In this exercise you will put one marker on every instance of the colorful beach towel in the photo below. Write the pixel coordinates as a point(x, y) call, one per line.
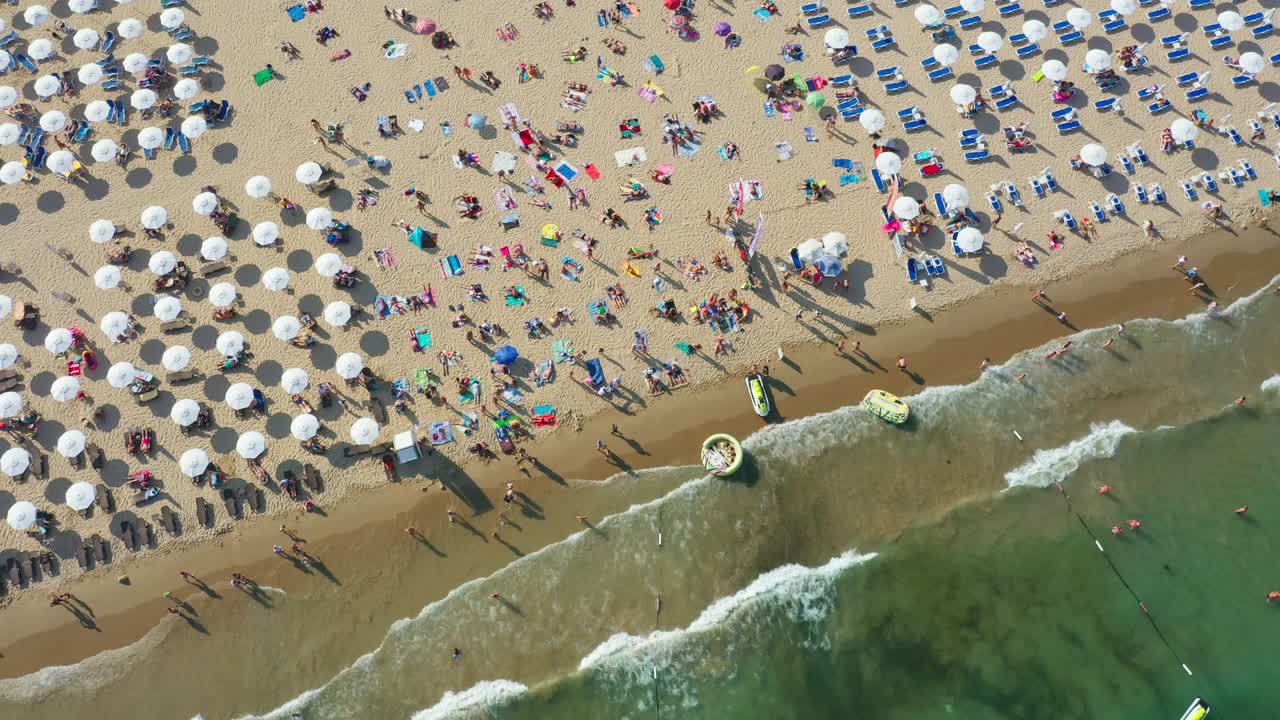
point(440, 432)
point(262, 77)
point(296, 12)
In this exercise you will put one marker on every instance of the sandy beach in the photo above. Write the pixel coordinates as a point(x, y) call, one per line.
point(414, 176)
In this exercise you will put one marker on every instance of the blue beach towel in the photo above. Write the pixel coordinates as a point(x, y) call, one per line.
point(296, 13)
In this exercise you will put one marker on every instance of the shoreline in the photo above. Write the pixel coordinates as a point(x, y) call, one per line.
point(943, 350)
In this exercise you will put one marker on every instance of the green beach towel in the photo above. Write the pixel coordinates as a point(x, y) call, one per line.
point(262, 77)
point(471, 393)
point(685, 347)
point(517, 300)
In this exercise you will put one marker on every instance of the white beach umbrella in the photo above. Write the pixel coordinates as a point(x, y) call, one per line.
point(294, 380)
point(230, 342)
point(172, 18)
point(266, 233)
point(969, 240)
point(286, 327)
point(80, 496)
point(12, 172)
point(64, 389)
point(1097, 60)
point(364, 431)
point(251, 444)
point(81, 6)
point(154, 218)
point(53, 121)
point(257, 187)
point(134, 63)
point(105, 150)
point(193, 462)
point(86, 38)
point(162, 262)
point(906, 208)
point(973, 6)
point(348, 365)
point(6, 307)
point(1055, 70)
point(204, 203)
point(10, 404)
point(276, 279)
point(1124, 7)
point(179, 53)
point(22, 515)
point(89, 74)
point(102, 231)
point(47, 86)
point(185, 89)
point(319, 218)
point(305, 426)
point(836, 38)
point(107, 277)
point(6, 60)
point(990, 41)
point(176, 358)
point(945, 54)
point(872, 120)
point(143, 99)
point(130, 28)
point(337, 313)
point(955, 196)
point(1093, 154)
point(114, 325)
point(1034, 30)
point(928, 15)
point(58, 341)
point(9, 133)
point(888, 163)
point(809, 250)
point(194, 126)
point(8, 355)
point(1183, 130)
point(15, 461)
point(962, 94)
point(308, 172)
point(213, 249)
point(239, 396)
point(184, 412)
point(121, 375)
point(222, 294)
point(150, 138)
point(97, 111)
point(836, 243)
point(1251, 62)
point(1079, 18)
point(329, 264)
point(8, 98)
point(167, 309)
point(60, 162)
point(41, 49)
point(36, 14)
point(1230, 20)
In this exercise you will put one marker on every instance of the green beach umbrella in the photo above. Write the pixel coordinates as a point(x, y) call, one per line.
point(815, 100)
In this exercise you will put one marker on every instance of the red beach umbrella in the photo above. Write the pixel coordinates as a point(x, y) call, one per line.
point(425, 26)
point(671, 4)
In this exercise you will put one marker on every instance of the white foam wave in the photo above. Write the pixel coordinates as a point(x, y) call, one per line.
point(1052, 465)
point(1271, 384)
point(802, 590)
point(474, 700)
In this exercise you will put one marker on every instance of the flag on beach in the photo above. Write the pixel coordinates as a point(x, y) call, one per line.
point(756, 236)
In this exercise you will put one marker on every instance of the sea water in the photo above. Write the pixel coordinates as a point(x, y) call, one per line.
point(775, 595)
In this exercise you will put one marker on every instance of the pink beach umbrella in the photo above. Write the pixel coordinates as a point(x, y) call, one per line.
point(425, 26)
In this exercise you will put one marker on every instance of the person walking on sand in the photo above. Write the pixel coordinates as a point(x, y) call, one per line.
point(1239, 402)
point(603, 449)
point(840, 347)
point(902, 363)
point(582, 519)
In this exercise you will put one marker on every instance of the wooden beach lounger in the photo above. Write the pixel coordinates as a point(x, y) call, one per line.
point(214, 268)
point(101, 549)
point(175, 325)
point(229, 499)
point(379, 411)
point(202, 512)
point(169, 520)
point(104, 500)
point(311, 478)
point(126, 534)
point(94, 453)
point(141, 534)
point(179, 376)
point(82, 557)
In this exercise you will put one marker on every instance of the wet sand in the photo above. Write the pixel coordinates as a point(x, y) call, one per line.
point(942, 350)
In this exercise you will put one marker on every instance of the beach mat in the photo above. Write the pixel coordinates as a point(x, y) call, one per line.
point(262, 77)
point(630, 156)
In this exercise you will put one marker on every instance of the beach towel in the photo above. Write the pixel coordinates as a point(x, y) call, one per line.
point(684, 347)
point(595, 371)
point(470, 394)
point(396, 50)
point(512, 395)
point(562, 350)
point(566, 171)
point(592, 171)
point(262, 77)
point(450, 266)
point(689, 148)
point(440, 432)
point(296, 12)
point(630, 156)
point(519, 300)
point(423, 336)
point(422, 379)
point(544, 373)
point(785, 151)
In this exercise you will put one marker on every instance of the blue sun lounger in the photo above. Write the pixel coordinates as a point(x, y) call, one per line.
point(108, 42)
point(82, 133)
point(1015, 195)
point(1157, 193)
point(1210, 185)
point(1139, 155)
point(1010, 9)
point(913, 269)
point(1234, 136)
point(1201, 4)
point(1105, 104)
point(1233, 176)
point(879, 181)
point(1184, 79)
point(184, 143)
point(1179, 54)
point(883, 44)
point(1274, 59)
point(841, 81)
point(1067, 219)
point(1062, 27)
point(1127, 164)
point(811, 8)
point(1071, 37)
point(859, 10)
point(929, 63)
point(913, 125)
point(1172, 41)
point(1018, 40)
point(954, 11)
point(994, 202)
point(1050, 182)
point(1159, 13)
point(170, 137)
point(896, 87)
point(1189, 191)
point(1240, 80)
point(939, 203)
point(885, 74)
point(1037, 186)
point(13, 35)
point(1247, 168)
point(940, 74)
point(970, 22)
point(1140, 192)
point(985, 62)
point(1115, 25)
point(819, 21)
point(1115, 204)
point(1096, 210)
point(852, 113)
point(26, 63)
point(1220, 42)
point(934, 267)
point(1028, 50)
point(1068, 127)
point(112, 84)
point(908, 112)
point(977, 155)
point(1199, 93)
point(1159, 106)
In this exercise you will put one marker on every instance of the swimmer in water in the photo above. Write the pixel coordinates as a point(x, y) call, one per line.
point(1104, 490)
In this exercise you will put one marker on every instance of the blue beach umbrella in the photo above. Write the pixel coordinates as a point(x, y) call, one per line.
point(506, 355)
point(475, 121)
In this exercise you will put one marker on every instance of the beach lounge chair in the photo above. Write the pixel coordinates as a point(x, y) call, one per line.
point(1127, 164)
point(1159, 14)
point(977, 155)
point(954, 11)
point(840, 81)
point(883, 44)
point(1246, 167)
point(1115, 25)
point(108, 42)
point(811, 8)
point(1254, 18)
point(170, 137)
point(1010, 9)
point(896, 87)
point(1115, 204)
point(933, 266)
point(224, 111)
point(10, 37)
point(1027, 51)
point(879, 181)
point(1179, 54)
point(914, 268)
point(1157, 193)
point(1188, 190)
point(1066, 218)
point(1240, 80)
point(26, 63)
point(1197, 94)
point(1221, 42)
point(817, 22)
point(1140, 192)
point(1050, 182)
point(1184, 79)
point(1105, 104)
point(1233, 176)
point(1159, 106)
point(939, 203)
point(884, 74)
point(1063, 114)
point(1067, 127)
point(1037, 186)
point(1201, 4)
point(1007, 103)
point(940, 74)
point(1071, 37)
point(184, 143)
point(856, 11)
point(929, 63)
point(1233, 135)
point(985, 62)
point(994, 201)
point(970, 22)
point(914, 125)
point(1210, 185)
point(1015, 195)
